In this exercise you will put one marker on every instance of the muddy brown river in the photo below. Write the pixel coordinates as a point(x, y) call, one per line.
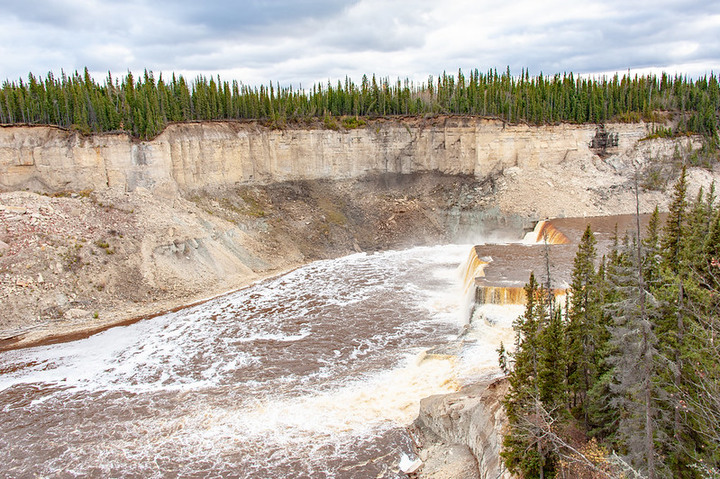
point(313, 374)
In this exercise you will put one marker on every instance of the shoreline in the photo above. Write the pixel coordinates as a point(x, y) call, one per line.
point(64, 331)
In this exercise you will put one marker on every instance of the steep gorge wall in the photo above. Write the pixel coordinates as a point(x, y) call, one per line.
point(196, 155)
point(208, 207)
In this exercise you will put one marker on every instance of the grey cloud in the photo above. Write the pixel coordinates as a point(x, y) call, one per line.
point(205, 30)
point(73, 17)
point(628, 38)
point(254, 15)
point(382, 34)
point(56, 13)
point(306, 41)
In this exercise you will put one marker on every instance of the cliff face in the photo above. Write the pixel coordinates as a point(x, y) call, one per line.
point(207, 207)
point(462, 431)
point(198, 155)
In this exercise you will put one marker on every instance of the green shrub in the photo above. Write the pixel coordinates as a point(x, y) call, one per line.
point(352, 122)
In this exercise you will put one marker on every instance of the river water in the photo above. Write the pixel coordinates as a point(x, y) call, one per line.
point(312, 374)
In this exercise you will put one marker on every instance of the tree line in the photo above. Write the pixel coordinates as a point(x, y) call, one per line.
point(144, 105)
point(624, 380)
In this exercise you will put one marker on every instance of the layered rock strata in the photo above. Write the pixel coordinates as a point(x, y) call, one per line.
point(213, 154)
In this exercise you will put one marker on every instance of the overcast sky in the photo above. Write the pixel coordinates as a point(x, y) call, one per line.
point(305, 41)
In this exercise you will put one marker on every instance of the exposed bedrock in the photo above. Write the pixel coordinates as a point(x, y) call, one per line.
point(197, 155)
point(460, 434)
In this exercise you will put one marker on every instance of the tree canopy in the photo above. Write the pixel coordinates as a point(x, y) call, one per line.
point(143, 106)
point(633, 367)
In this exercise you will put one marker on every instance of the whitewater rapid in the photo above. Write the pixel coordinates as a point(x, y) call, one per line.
point(312, 374)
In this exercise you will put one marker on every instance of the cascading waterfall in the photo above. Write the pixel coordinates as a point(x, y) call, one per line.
point(545, 232)
point(500, 295)
point(499, 290)
point(472, 268)
point(313, 374)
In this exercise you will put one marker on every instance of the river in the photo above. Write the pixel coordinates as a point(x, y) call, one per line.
point(312, 374)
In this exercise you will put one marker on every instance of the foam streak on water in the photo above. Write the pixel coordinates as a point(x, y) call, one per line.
point(312, 374)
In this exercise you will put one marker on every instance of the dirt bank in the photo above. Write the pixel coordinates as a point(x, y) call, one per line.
point(76, 263)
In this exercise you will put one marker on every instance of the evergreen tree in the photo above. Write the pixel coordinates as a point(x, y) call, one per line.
point(682, 232)
point(651, 243)
point(585, 330)
point(636, 361)
point(674, 230)
point(144, 106)
point(553, 363)
point(525, 450)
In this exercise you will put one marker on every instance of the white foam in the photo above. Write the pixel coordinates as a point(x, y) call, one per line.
point(194, 368)
point(359, 407)
point(283, 338)
point(491, 324)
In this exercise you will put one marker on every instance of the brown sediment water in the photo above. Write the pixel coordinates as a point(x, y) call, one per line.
point(472, 268)
point(546, 232)
point(312, 374)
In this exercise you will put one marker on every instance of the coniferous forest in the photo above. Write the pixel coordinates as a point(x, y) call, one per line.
point(624, 379)
point(143, 106)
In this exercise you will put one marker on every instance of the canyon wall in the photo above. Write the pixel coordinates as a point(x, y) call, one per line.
point(214, 154)
point(141, 226)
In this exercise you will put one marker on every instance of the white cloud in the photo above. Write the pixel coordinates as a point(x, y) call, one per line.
point(304, 41)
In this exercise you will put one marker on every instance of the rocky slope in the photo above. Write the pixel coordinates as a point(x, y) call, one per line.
point(81, 261)
point(459, 434)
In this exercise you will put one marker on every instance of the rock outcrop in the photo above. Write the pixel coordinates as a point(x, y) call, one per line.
point(219, 154)
point(459, 434)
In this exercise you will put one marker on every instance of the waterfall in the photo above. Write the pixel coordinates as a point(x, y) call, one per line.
point(505, 295)
point(545, 230)
point(473, 267)
point(500, 295)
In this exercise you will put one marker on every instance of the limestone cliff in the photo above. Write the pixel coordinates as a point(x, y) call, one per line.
point(213, 154)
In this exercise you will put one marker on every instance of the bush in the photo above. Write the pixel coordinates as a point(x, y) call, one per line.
point(352, 122)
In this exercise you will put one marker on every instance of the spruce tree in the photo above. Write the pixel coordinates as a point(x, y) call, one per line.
point(584, 329)
point(525, 449)
point(674, 230)
point(636, 361)
point(553, 363)
point(681, 255)
point(651, 243)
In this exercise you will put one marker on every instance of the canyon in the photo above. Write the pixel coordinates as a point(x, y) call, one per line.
point(104, 229)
